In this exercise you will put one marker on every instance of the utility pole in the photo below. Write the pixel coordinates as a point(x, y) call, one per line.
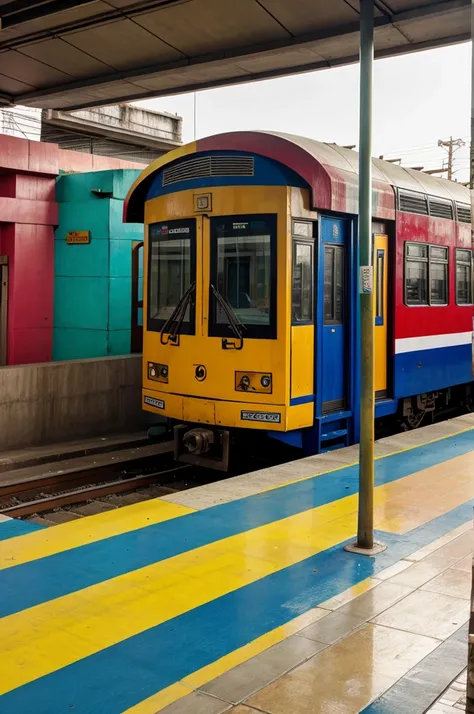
point(452, 145)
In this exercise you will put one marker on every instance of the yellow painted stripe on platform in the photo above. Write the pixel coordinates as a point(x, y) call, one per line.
point(57, 539)
point(157, 702)
point(423, 496)
point(52, 635)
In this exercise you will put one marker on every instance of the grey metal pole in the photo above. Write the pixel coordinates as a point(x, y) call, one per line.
point(470, 656)
point(365, 529)
point(365, 532)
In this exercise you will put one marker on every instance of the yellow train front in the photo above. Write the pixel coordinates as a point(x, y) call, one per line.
point(250, 293)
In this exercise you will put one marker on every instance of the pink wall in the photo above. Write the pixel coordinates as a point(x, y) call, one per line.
point(30, 249)
point(28, 216)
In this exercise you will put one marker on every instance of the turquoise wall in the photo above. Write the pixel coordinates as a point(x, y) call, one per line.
point(92, 288)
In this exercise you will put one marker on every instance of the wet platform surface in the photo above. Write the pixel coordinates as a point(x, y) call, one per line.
point(238, 596)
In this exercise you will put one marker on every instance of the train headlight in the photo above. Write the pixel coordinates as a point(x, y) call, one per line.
point(158, 372)
point(253, 382)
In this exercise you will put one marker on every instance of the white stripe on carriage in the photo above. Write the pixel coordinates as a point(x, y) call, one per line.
point(432, 342)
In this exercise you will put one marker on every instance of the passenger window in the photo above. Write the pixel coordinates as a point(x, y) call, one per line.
point(426, 274)
point(438, 275)
point(302, 287)
point(416, 274)
point(333, 284)
point(463, 277)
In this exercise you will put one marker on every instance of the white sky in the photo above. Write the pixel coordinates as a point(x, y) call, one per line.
point(418, 99)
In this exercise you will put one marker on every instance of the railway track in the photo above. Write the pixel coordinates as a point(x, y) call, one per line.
point(26, 502)
point(148, 471)
point(23, 494)
point(77, 486)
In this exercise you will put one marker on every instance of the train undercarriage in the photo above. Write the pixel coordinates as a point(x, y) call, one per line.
point(213, 448)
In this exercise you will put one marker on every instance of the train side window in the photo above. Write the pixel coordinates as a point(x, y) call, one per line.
point(416, 274)
point(302, 284)
point(333, 284)
point(438, 271)
point(379, 295)
point(463, 276)
point(303, 229)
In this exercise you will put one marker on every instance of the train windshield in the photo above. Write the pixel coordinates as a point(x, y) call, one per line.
point(243, 277)
point(171, 270)
point(243, 271)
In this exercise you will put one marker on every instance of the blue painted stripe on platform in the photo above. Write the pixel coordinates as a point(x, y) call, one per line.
point(13, 528)
point(72, 570)
point(142, 665)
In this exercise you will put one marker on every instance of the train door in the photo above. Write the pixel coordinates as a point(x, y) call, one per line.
point(136, 338)
point(381, 317)
point(3, 308)
point(335, 293)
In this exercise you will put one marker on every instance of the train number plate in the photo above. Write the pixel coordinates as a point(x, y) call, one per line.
point(158, 403)
point(273, 417)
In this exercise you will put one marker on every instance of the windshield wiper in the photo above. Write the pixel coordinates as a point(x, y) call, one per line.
point(234, 323)
point(170, 330)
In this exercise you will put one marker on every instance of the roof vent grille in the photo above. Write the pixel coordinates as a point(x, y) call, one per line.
point(207, 167)
point(441, 209)
point(464, 213)
point(411, 202)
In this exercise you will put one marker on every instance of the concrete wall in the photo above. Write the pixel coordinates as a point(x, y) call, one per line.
point(76, 162)
point(60, 401)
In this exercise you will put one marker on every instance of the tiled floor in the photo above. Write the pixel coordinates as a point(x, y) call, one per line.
point(404, 630)
point(453, 700)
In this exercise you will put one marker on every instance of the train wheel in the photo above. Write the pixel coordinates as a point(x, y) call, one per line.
point(412, 416)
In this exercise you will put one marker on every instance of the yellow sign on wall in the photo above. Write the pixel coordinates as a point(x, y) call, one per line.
point(78, 237)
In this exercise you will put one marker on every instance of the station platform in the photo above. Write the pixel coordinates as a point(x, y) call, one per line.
point(13, 459)
point(237, 596)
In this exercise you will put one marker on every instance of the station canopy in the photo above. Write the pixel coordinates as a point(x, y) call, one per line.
point(64, 54)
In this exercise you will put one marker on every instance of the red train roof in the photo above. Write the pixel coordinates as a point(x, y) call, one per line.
point(331, 171)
